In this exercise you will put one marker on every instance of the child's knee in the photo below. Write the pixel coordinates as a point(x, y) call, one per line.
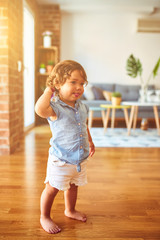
point(51, 190)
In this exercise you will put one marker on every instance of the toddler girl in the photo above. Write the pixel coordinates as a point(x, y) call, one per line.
point(71, 142)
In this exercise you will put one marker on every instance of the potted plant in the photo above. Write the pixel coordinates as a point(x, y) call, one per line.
point(49, 66)
point(116, 98)
point(42, 68)
point(134, 69)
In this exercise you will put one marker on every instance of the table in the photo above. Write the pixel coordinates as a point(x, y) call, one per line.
point(134, 113)
point(114, 107)
point(91, 111)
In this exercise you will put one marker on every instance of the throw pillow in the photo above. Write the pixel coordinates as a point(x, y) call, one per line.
point(88, 93)
point(98, 93)
point(107, 95)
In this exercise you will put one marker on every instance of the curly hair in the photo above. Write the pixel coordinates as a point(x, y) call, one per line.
point(62, 71)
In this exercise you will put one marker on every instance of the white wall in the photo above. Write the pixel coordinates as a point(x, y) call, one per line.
point(103, 42)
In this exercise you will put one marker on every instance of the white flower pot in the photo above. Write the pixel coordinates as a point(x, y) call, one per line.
point(47, 41)
point(42, 70)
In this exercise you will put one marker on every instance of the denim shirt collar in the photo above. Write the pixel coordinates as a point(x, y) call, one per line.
point(57, 99)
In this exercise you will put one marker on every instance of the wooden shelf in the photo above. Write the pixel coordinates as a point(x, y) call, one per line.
point(43, 74)
point(48, 48)
point(50, 53)
point(45, 54)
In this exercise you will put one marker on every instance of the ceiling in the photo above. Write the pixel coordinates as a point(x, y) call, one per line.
point(139, 6)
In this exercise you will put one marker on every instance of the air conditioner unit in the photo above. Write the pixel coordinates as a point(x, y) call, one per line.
point(151, 25)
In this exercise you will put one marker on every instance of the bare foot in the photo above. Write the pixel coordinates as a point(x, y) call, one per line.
point(48, 225)
point(76, 215)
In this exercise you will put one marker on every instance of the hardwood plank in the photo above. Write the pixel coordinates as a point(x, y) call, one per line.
point(121, 198)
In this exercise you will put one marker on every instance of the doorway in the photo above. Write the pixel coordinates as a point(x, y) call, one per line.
point(29, 67)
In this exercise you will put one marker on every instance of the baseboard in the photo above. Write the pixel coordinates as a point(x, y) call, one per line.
point(120, 122)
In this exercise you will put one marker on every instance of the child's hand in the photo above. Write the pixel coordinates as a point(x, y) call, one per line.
point(49, 89)
point(91, 149)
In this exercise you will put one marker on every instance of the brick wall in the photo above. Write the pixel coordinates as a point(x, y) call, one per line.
point(15, 83)
point(49, 19)
point(11, 50)
point(4, 79)
point(11, 81)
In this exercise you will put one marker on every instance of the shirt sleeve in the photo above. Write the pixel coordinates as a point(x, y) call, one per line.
point(87, 108)
point(54, 106)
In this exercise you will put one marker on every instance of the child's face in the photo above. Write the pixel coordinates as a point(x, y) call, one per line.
point(72, 89)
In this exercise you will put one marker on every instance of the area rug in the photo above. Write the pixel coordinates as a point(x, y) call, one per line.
point(118, 137)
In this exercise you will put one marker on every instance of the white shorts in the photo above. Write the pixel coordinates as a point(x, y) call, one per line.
point(61, 177)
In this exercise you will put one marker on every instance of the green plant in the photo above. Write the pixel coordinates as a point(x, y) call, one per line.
point(116, 94)
point(134, 69)
point(42, 65)
point(50, 62)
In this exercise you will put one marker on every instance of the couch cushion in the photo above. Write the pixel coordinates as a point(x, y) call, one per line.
point(88, 92)
point(98, 93)
point(95, 90)
point(107, 95)
point(105, 86)
point(129, 92)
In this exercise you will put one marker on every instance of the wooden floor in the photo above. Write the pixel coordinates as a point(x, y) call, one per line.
point(121, 200)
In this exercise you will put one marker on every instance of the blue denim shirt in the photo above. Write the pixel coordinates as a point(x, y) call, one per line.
point(69, 140)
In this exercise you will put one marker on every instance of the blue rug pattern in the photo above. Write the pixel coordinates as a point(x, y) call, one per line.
point(118, 137)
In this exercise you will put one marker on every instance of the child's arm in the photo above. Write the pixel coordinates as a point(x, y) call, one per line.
point(42, 107)
point(91, 144)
